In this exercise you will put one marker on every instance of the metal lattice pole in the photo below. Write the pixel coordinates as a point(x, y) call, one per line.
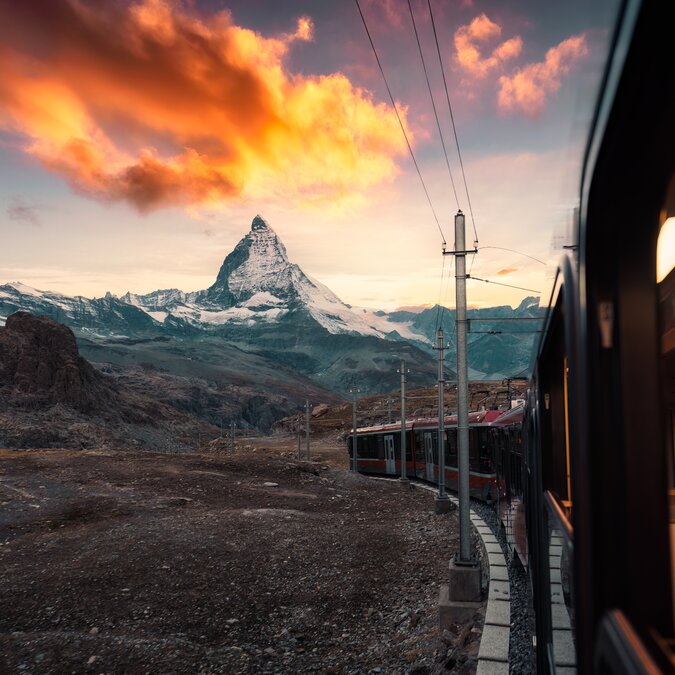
point(307, 430)
point(355, 453)
point(404, 449)
point(299, 434)
point(441, 419)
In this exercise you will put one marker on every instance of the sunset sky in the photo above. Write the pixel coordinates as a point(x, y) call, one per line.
point(139, 139)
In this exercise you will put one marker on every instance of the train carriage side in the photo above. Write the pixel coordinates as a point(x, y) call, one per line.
point(481, 468)
point(506, 440)
point(378, 449)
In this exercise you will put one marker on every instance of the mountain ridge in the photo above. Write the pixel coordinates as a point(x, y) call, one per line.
point(263, 303)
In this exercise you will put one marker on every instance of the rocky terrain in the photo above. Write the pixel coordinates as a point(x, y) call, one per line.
point(51, 396)
point(249, 562)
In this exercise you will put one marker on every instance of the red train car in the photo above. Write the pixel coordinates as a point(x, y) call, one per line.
point(379, 451)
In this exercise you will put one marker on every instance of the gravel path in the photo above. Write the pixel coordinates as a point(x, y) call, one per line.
point(521, 651)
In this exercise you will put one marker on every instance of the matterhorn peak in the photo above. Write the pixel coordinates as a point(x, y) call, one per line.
point(259, 224)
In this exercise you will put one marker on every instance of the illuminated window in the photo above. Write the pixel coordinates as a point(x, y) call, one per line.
point(665, 250)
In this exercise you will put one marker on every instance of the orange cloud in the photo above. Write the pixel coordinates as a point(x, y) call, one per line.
point(528, 89)
point(156, 105)
point(468, 54)
point(506, 271)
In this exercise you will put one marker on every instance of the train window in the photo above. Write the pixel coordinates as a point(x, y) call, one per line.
point(665, 276)
point(452, 443)
point(665, 250)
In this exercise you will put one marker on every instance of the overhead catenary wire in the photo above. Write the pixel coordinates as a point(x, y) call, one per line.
point(400, 121)
point(433, 103)
point(498, 283)
point(452, 119)
point(513, 250)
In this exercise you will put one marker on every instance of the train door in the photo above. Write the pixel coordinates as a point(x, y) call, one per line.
point(429, 454)
point(389, 457)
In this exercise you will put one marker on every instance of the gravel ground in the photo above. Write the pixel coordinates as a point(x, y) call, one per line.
point(522, 658)
point(252, 562)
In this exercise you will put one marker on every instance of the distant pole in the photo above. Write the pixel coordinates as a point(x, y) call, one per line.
point(462, 391)
point(441, 419)
point(404, 450)
point(355, 453)
point(232, 425)
point(299, 429)
point(388, 409)
point(307, 431)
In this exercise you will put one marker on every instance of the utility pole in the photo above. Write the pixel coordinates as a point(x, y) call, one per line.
point(307, 431)
point(388, 409)
point(299, 429)
point(460, 254)
point(404, 450)
point(355, 454)
point(442, 502)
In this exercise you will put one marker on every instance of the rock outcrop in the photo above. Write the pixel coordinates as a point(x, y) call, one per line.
point(40, 363)
point(50, 396)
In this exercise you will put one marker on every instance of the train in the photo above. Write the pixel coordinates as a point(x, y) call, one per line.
point(583, 474)
point(379, 451)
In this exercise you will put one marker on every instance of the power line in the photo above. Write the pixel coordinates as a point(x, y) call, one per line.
point(433, 104)
point(452, 118)
point(513, 250)
point(497, 283)
point(398, 117)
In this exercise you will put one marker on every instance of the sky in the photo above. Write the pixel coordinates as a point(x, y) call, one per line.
point(138, 139)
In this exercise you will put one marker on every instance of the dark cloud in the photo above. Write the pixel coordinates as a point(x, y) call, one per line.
point(21, 211)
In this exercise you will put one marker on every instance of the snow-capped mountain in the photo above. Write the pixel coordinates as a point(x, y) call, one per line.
point(256, 283)
point(262, 302)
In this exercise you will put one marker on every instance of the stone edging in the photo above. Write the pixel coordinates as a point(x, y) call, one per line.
point(493, 655)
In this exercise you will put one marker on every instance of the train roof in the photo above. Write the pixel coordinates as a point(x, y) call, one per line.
point(396, 426)
point(475, 417)
point(512, 416)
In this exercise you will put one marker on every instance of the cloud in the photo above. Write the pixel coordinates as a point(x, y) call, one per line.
point(393, 11)
point(157, 105)
point(468, 54)
point(528, 88)
point(21, 211)
point(507, 270)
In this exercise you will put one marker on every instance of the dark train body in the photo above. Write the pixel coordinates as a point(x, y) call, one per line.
point(379, 451)
point(583, 475)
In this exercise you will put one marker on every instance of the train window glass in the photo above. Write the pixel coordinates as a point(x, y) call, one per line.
point(665, 276)
point(561, 580)
point(452, 444)
point(665, 250)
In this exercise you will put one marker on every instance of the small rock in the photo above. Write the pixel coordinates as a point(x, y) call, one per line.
point(232, 621)
point(94, 630)
point(270, 484)
point(92, 660)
